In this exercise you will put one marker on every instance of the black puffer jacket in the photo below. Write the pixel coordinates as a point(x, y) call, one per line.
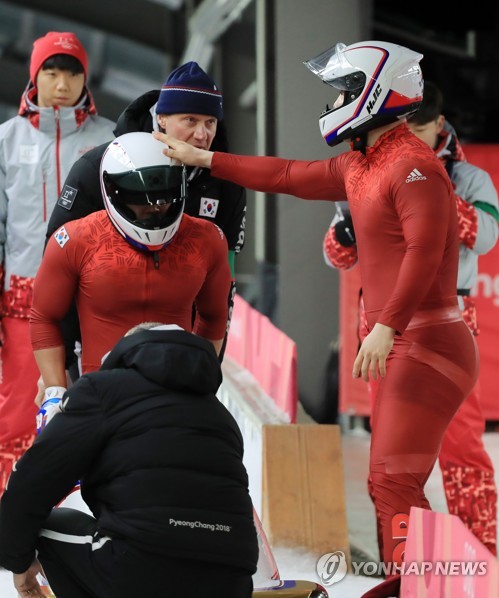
point(159, 458)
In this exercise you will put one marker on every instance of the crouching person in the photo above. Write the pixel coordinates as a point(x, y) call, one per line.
point(160, 464)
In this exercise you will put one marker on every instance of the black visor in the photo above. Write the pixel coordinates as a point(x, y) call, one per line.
point(153, 184)
point(351, 82)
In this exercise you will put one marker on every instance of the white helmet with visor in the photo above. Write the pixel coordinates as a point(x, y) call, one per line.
point(379, 83)
point(135, 172)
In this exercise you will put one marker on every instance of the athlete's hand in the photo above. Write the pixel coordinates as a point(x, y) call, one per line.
point(50, 407)
point(345, 234)
point(26, 583)
point(40, 395)
point(371, 358)
point(184, 152)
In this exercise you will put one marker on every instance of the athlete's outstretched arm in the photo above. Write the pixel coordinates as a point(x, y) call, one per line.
point(184, 152)
point(317, 179)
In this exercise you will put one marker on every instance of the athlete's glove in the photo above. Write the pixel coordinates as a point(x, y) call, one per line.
point(51, 406)
point(343, 229)
point(339, 248)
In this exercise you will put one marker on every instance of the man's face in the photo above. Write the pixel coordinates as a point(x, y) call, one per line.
point(196, 129)
point(59, 88)
point(338, 103)
point(428, 132)
point(149, 212)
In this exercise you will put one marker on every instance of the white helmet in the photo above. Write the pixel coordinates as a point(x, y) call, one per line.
point(134, 171)
point(382, 82)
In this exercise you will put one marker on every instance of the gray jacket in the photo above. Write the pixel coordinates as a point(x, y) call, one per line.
point(475, 186)
point(37, 149)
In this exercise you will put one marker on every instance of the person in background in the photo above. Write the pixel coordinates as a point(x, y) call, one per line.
point(56, 124)
point(467, 470)
point(406, 234)
point(160, 461)
point(190, 106)
point(141, 258)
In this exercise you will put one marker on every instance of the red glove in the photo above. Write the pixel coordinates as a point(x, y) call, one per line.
point(467, 222)
point(338, 255)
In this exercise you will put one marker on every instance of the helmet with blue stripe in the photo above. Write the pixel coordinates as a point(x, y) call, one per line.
point(378, 83)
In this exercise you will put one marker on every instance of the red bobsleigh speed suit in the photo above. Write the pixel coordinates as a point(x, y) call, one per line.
point(405, 220)
point(467, 470)
point(117, 286)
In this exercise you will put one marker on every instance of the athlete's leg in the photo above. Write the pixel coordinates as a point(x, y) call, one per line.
point(426, 382)
point(373, 387)
point(17, 394)
point(10, 452)
point(468, 473)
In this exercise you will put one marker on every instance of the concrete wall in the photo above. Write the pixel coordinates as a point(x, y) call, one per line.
point(308, 289)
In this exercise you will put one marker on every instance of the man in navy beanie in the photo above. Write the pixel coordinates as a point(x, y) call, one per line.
point(189, 89)
point(188, 106)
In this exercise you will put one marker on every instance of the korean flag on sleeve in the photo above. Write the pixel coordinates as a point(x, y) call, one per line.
point(61, 236)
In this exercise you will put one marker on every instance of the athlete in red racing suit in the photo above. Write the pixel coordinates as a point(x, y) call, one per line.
point(116, 286)
point(467, 470)
point(405, 217)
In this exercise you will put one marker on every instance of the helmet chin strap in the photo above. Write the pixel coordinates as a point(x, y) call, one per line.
point(359, 143)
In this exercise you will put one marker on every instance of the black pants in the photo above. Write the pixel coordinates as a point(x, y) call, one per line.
point(80, 563)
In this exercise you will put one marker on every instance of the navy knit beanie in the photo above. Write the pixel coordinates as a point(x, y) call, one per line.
point(189, 90)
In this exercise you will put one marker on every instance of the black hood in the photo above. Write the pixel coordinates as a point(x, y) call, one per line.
point(137, 115)
point(174, 359)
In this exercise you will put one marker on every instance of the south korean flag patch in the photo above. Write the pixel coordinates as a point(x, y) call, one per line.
point(208, 207)
point(61, 236)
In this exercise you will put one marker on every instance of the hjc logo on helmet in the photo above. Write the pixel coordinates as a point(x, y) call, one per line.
point(376, 94)
point(394, 78)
